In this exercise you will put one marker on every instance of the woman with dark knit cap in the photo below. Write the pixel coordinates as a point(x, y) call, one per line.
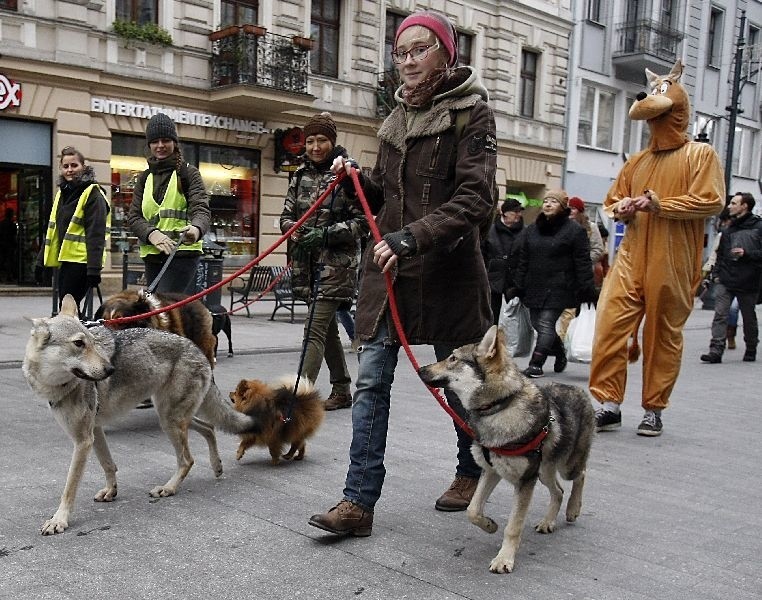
point(431, 191)
point(324, 255)
point(169, 199)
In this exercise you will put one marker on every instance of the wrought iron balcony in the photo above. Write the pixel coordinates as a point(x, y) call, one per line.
point(388, 82)
point(644, 44)
point(249, 55)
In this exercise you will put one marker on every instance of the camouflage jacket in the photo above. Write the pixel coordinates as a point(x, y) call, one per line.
point(345, 225)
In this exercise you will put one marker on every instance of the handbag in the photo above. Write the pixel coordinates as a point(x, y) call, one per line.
point(514, 321)
point(579, 335)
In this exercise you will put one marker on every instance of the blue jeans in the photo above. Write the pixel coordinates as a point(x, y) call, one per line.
point(370, 420)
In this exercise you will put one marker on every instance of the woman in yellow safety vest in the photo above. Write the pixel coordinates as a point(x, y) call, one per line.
point(169, 199)
point(75, 242)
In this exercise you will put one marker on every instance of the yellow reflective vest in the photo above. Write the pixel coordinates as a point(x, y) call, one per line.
point(169, 217)
point(74, 246)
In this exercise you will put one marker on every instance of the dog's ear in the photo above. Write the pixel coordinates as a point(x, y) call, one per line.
point(490, 344)
point(40, 331)
point(69, 306)
point(652, 78)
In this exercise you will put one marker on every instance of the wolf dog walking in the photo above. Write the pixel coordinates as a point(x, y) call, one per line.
point(524, 433)
point(90, 377)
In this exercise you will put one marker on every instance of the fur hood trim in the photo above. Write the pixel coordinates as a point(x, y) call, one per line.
point(85, 178)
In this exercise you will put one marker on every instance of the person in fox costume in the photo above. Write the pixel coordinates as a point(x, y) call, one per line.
point(663, 194)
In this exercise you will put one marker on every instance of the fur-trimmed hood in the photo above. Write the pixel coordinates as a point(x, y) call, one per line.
point(85, 178)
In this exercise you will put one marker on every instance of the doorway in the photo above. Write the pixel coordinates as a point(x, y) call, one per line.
point(24, 203)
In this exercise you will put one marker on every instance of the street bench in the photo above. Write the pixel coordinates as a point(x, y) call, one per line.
point(256, 282)
point(284, 293)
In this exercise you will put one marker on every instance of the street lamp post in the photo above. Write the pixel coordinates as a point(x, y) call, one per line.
point(733, 108)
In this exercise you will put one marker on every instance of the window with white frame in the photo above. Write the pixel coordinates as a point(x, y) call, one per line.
point(138, 11)
point(528, 82)
point(324, 56)
point(594, 11)
point(636, 134)
point(743, 152)
point(752, 54)
point(714, 39)
point(596, 118)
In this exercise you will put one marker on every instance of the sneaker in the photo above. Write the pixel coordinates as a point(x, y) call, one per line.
point(338, 400)
point(458, 495)
point(533, 371)
point(148, 403)
point(559, 365)
point(607, 420)
point(711, 358)
point(346, 518)
point(650, 425)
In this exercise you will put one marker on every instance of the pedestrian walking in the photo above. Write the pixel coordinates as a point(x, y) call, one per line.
point(501, 255)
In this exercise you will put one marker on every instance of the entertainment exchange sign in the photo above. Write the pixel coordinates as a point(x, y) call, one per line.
point(181, 117)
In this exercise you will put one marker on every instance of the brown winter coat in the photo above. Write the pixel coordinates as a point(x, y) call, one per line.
point(442, 192)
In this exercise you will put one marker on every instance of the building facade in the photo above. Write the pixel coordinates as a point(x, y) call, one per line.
point(239, 77)
point(614, 42)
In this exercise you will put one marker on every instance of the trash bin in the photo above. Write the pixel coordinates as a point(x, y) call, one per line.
point(209, 272)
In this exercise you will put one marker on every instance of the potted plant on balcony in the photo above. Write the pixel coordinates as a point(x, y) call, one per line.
point(257, 30)
point(303, 42)
point(229, 31)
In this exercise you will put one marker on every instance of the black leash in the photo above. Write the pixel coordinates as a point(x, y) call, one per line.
point(155, 283)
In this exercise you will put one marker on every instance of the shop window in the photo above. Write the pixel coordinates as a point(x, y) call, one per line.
point(138, 11)
point(231, 177)
point(324, 56)
point(9, 4)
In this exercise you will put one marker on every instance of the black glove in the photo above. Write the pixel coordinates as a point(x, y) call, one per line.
point(519, 293)
point(347, 185)
point(401, 242)
point(39, 272)
point(588, 295)
point(93, 280)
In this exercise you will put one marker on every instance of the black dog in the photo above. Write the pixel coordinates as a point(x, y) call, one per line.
point(221, 322)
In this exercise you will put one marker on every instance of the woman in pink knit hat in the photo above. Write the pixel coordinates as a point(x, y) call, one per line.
point(431, 190)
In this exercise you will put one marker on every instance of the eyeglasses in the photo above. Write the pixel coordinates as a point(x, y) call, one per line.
point(417, 53)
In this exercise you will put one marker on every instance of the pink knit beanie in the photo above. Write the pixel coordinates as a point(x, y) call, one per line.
point(437, 23)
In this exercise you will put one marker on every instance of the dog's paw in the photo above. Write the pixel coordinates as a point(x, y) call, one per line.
point(53, 525)
point(545, 526)
point(161, 491)
point(501, 564)
point(107, 494)
point(484, 523)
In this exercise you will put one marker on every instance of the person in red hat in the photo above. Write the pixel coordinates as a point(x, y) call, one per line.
point(431, 190)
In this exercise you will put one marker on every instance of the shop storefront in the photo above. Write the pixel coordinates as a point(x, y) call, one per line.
point(25, 196)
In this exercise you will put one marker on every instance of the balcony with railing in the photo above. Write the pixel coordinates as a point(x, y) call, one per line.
point(644, 44)
point(251, 56)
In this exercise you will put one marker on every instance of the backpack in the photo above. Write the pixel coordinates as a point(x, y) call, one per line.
point(462, 119)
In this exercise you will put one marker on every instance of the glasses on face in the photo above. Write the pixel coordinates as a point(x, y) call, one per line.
point(418, 53)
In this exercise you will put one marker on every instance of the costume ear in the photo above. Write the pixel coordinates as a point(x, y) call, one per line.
point(676, 72)
point(652, 78)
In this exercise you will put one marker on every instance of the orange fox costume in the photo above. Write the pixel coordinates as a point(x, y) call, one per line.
point(664, 194)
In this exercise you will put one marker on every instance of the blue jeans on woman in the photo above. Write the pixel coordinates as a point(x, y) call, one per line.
point(370, 420)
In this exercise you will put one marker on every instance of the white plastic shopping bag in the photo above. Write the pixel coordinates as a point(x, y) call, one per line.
point(514, 321)
point(579, 335)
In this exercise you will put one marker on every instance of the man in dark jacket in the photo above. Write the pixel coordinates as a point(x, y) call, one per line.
point(736, 274)
point(500, 256)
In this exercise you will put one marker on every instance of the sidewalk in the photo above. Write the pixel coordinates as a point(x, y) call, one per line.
point(671, 517)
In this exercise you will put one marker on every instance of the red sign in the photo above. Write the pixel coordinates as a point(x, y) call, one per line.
point(293, 141)
point(10, 93)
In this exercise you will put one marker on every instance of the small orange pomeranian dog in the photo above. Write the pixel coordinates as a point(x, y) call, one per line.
point(270, 404)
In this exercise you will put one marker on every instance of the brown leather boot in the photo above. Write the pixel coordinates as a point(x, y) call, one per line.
point(458, 495)
point(345, 518)
point(338, 400)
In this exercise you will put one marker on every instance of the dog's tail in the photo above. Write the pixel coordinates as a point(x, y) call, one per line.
point(222, 414)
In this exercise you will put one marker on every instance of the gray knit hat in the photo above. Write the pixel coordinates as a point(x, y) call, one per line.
point(161, 126)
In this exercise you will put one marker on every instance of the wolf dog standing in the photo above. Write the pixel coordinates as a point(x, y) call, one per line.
point(539, 432)
point(90, 377)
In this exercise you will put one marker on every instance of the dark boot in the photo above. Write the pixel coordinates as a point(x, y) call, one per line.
point(716, 348)
point(559, 351)
point(731, 337)
point(535, 365)
point(750, 355)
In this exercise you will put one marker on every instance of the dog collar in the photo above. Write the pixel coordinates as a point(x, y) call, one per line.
point(534, 445)
point(494, 407)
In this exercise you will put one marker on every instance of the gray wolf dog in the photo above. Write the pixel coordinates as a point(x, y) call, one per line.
point(507, 411)
point(90, 377)
point(192, 320)
point(268, 404)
